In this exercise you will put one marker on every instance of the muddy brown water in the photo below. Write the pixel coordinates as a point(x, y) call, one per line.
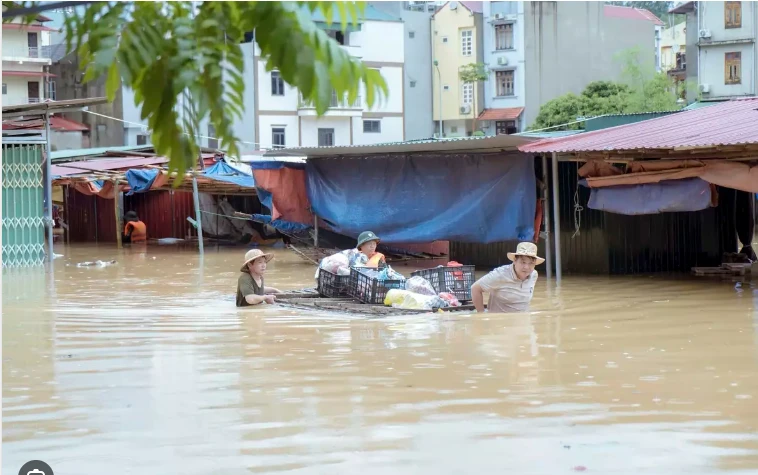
point(148, 367)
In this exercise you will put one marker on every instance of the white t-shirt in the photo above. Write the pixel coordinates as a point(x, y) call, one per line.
point(507, 292)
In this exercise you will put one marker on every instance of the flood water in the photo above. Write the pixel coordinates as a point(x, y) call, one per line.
point(148, 367)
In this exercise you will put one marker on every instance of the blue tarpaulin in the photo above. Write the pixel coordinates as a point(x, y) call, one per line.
point(140, 180)
point(692, 194)
point(280, 224)
point(410, 199)
point(221, 171)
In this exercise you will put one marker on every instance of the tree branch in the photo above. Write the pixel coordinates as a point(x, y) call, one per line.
point(16, 12)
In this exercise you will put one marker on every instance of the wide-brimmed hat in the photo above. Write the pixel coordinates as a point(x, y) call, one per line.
point(252, 255)
point(131, 215)
point(528, 249)
point(365, 237)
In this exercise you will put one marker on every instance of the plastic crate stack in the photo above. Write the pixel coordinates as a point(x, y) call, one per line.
point(333, 285)
point(369, 289)
point(457, 280)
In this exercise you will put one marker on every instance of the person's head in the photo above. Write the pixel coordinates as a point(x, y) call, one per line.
point(256, 262)
point(367, 242)
point(131, 216)
point(525, 259)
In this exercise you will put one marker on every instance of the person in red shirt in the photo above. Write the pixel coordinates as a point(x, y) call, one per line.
point(134, 230)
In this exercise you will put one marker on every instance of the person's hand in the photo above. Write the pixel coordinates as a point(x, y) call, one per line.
point(269, 299)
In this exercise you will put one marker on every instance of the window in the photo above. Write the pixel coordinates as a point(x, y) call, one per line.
point(325, 137)
point(467, 42)
point(277, 137)
point(277, 84)
point(338, 36)
point(468, 93)
point(411, 34)
point(51, 90)
point(732, 68)
point(733, 14)
point(212, 140)
point(504, 36)
point(444, 39)
point(372, 126)
point(445, 88)
point(141, 139)
point(505, 127)
point(681, 61)
point(413, 83)
point(5, 88)
point(504, 83)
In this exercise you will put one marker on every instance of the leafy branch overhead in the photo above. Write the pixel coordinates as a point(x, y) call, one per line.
point(164, 50)
point(473, 72)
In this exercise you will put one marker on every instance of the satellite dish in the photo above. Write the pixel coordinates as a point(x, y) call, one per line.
point(675, 49)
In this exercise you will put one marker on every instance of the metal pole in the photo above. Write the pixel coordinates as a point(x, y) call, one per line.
point(117, 213)
point(49, 188)
point(439, 83)
point(198, 218)
point(546, 218)
point(315, 233)
point(557, 218)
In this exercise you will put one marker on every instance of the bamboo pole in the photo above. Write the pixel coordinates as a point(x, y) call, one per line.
point(198, 217)
point(557, 218)
point(546, 218)
point(117, 213)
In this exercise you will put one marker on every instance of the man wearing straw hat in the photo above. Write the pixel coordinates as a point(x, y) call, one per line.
point(250, 287)
point(510, 287)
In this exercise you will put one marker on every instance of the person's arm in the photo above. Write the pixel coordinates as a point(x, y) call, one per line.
point(477, 296)
point(254, 299)
point(271, 290)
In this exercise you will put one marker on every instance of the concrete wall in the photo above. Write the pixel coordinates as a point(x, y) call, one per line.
point(691, 38)
point(290, 124)
point(570, 44)
point(103, 132)
point(17, 89)
point(713, 50)
point(68, 140)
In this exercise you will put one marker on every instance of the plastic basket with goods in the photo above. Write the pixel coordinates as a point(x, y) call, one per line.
point(456, 279)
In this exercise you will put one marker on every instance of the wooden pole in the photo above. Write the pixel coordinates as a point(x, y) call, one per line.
point(557, 218)
point(315, 231)
point(48, 173)
point(198, 218)
point(546, 218)
point(117, 213)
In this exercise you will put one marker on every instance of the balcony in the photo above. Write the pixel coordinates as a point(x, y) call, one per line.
point(32, 100)
point(337, 107)
point(27, 53)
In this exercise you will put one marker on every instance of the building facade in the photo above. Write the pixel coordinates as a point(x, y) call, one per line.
point(673, 48)
point(285, 120)
point(26, 59)
point(456, 36)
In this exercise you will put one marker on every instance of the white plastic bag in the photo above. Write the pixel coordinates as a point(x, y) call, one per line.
point(419, 285)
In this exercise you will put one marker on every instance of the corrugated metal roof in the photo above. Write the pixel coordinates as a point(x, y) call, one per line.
point(460, 144)
point(52, 106)
point(505, 113)
point(60, 155)
point(630, 13)
point(56, 123)
point(550, 134)
point(614, 120)
point(105, 164)
point(729, 123)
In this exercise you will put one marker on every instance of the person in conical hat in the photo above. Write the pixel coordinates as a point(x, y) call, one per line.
point(250, 287)
point(510, 287)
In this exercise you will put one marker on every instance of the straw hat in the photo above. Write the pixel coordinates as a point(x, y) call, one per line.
point(528, 249)
point(367, 236)
point(252, 255)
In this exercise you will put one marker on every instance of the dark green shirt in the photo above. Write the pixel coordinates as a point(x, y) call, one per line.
point(246, 285)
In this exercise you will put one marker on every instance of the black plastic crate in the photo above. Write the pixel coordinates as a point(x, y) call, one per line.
point(369, 289)
point(333, 285)
point(456, 280)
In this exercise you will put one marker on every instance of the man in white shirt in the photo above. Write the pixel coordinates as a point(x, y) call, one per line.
point(510, 287)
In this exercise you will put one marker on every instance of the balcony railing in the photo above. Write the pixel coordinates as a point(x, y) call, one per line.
point(334, 103)
point(32, 100)
point(40, 52)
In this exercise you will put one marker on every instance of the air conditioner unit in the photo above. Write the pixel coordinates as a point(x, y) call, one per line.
point(705, 88)
point(502, 61)
point(498, 16)
point(705, 33)
point(466, 109)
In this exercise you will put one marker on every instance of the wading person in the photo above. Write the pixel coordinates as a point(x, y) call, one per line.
point(250, 287)
point(367, 243)
point(511, 287)
point(134, 230)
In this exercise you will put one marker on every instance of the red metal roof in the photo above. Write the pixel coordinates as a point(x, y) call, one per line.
point(615, 11)
point(28, 74)
point(507, 113)
point(105, 164)
point(56, 123)
point(732, 122)
point(21, 26)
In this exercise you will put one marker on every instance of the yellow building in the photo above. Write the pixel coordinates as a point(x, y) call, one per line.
point(456, 42)
point(673, 43)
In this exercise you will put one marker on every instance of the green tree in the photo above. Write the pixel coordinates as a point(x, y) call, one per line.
point(649, 91)
point(474, 73)
point(162, 50)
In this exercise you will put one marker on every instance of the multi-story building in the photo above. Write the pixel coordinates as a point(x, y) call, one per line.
point(673, 45)
point(721, 49)
point(284, 119)
point(456, 43)
point(25, 61)
point(537, 51)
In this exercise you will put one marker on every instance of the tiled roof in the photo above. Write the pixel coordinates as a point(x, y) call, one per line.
point(615, 11)
point(728, 123)
point(507, 113)
point(476, 7)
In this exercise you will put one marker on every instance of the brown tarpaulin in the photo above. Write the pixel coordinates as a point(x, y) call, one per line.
point(289, 196)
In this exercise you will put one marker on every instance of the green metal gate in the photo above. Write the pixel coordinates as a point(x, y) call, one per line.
point(23, 208)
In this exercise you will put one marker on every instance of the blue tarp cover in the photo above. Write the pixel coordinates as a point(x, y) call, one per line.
point(280, 224)
point(221, 171)
point(692, 194)
point(140, 180)
point(276, 164)
point(422, 199)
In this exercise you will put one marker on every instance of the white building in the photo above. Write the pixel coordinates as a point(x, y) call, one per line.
point(283, 119)
point(26, 59)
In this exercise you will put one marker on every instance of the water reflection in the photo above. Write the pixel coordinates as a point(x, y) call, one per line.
point(147, 364)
